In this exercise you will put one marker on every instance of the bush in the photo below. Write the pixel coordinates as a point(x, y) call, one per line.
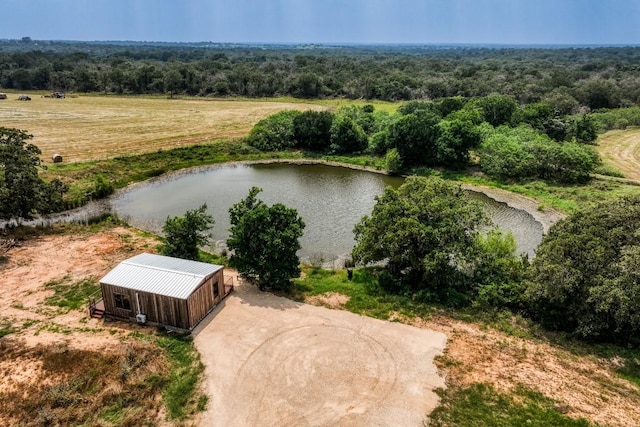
point(393, 161)
point(619, 118)
point(523, 153)
point(101, 188)
point(499, 272)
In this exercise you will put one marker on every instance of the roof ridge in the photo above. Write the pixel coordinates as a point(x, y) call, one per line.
point(169, 270)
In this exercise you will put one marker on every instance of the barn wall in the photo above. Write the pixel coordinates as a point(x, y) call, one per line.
point(158, 309)
point(108, 295)
point(164, 310)
point(202, 300)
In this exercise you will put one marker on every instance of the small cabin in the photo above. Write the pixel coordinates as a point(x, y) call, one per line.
point(163, 290)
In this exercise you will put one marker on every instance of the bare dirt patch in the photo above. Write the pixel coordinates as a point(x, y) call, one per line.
point(329, 300)
point(42, 259)
point(272, 361)
point(622, 149)
point(583, 386)
point(58, 366)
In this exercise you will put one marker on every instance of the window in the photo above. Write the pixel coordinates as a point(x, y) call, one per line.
point(122, 301)
point(216, 291)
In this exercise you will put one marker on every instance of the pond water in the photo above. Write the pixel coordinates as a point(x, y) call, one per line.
point(331, 200)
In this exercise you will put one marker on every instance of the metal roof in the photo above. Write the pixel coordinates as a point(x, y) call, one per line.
point(158, 274)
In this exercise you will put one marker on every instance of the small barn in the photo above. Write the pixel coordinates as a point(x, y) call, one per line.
point(163, 290)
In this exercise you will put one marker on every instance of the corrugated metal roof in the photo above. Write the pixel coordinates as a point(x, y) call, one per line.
point(158, 274)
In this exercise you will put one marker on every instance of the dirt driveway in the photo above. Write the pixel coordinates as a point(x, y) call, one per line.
point(273, 362)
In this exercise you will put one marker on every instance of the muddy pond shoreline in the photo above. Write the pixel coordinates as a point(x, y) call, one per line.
point(97, 209)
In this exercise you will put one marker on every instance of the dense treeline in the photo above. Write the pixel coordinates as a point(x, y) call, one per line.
point(565, 78)
point(512, 142)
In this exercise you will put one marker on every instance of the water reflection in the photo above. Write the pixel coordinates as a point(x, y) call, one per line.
point(331, 200)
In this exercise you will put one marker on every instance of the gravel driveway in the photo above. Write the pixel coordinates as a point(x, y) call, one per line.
point(273, 362)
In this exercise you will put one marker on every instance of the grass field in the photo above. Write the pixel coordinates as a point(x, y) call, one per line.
point(99, 127)
point(621, 148)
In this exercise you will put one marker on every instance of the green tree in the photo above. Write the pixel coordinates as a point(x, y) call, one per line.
point(505, 156)
point(449, 105)
point(425, 232)
point(523, 153)
point(412, 107)
point(454, 140)
point(264, 240)
point(414, 135)
point(599, 93)
point(347, 136)
point(585, 129)
point(312, 129)
point(497, 109)
point(498, 271)
point(184, 234)
point(172, 82)
point(22, 192)
point(308, 85)
point(561, 101)
point(275, 132)
point(536, 115)
point(584, 278)
point(379, 142)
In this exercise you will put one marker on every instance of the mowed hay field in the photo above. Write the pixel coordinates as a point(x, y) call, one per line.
point(621, 148)
point(99, 127)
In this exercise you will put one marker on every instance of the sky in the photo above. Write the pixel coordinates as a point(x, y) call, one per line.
point(572, 22)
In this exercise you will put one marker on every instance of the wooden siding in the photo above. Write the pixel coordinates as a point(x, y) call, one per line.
point(179, 313)
point(108, 295)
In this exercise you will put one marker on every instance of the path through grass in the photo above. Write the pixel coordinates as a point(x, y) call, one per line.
point(621, 148)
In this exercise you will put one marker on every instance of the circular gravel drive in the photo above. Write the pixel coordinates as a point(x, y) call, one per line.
point(273, 362)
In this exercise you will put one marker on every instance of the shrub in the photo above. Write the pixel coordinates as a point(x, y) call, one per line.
point(523, 153)
point(393, 161)
point(101, 188)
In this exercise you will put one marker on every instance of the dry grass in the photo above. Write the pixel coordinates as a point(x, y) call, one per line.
point(621, 148)
point(99, 127)
point(59, 367)
point(66, 386)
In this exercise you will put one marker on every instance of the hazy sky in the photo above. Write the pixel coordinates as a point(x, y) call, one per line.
point(327, 21)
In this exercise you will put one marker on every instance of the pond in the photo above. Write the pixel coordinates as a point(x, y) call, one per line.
point(331, 200)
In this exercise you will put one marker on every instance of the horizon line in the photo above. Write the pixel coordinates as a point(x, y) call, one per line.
point(335, 44)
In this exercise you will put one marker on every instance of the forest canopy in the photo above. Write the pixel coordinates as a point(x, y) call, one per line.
point(565, 78)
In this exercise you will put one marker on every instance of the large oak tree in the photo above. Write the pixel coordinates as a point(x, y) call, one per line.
point(264, 240)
